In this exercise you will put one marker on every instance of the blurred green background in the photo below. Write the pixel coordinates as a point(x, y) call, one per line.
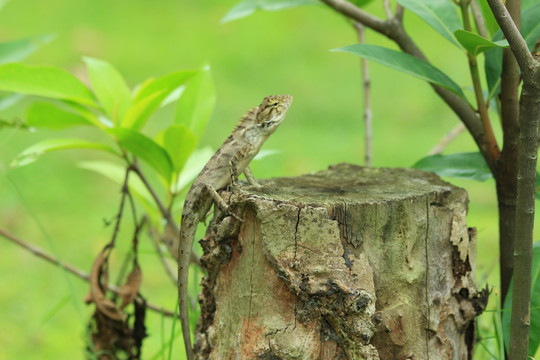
point(266, 53)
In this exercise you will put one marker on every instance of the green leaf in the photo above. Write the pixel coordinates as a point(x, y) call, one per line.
point(196, 104)
point(534, 331)
point(109, 87)
point(489, 19)
point(8, 101)
point(144, 148)
point(44, 81)
point(152, 94)
point(117, 173)
point(17, 50)
point(493, 69)
point(193, 167)
point(47, 115)
point(360, 3)
point(462, 165)
point(475, 44)
point(530, 24)
point(441, 15)
point(248, 7)
point(179, 142)
point(33, 152)
point(405, 63)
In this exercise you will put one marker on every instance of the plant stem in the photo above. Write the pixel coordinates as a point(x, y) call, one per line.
point(477, 85)
point(507, 166)
point(368, 114)
point(394, 30)
point(77, 272)
point(529, 115)
point(451, 135)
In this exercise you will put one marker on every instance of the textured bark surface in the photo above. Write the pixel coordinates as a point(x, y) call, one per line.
point(347, 263)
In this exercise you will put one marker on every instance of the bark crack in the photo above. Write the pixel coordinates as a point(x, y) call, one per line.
point(296, 233)
point(426, 243)
point(251, 281)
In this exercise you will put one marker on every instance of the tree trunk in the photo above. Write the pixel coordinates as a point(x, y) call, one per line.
point(348, 263)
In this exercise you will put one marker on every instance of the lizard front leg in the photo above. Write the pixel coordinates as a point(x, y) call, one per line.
point(220, 203)
point(250, 178)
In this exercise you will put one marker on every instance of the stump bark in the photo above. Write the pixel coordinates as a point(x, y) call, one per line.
point(347, 263)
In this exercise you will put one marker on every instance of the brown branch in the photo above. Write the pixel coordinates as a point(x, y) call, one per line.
point(393, 29)
point(162, 209)
point(477, 85)
point(77, 272)
point(350, 10)
point(452, 134)
point(529, 115)
point(507, 166)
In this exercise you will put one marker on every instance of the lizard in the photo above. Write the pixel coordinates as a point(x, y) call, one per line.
point(222, 170)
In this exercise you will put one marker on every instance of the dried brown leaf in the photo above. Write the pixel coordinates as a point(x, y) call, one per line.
point(128, 292)
point(97, 295)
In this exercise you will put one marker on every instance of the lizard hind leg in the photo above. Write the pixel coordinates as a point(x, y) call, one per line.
point(220, 203)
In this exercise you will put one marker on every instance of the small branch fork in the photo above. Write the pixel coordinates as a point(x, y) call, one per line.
point(75, 271)
point(393, 29)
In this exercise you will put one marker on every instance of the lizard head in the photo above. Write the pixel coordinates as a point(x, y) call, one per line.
point(272, 112)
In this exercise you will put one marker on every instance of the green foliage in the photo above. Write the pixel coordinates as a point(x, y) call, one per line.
point(117, 173)
point(120, 115)
point(195, 106)
point(50, 116)
point(405, 63)
point(46, 81)
point(145, 148)
point(33, 152)
point(441, 15)
point(248, 7)
point(475, 44)
point(179, 142)
point(109, 87)
point(18, 50)
point(534, 332)
point(530, 25)
point(530, 29)
point(463, 165)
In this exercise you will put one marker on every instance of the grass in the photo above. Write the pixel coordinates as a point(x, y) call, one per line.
point(284, 52)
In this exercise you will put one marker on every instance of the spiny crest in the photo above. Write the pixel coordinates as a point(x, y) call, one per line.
point(272, 110)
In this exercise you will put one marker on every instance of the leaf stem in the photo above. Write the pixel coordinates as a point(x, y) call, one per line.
point(477, 85)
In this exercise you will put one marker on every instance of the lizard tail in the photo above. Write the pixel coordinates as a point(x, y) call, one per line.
point(187, 233)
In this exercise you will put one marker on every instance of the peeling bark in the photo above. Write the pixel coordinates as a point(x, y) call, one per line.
point(348, 263)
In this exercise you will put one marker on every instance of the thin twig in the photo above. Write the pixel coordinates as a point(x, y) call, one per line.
point(77, 272)
point(125, 191)
point(368, 114)
point(479, 19)
point(393, 29)
point(451, 135)
point(155, 240)
point(477, 85)
point(164, 212)
point(162, 209)
point(387, 9)
point(400, 10)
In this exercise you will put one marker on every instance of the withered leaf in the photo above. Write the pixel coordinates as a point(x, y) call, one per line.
point(128, 291)
point(97, 294)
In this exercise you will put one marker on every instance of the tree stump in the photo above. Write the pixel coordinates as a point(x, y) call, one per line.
point(347, 263)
